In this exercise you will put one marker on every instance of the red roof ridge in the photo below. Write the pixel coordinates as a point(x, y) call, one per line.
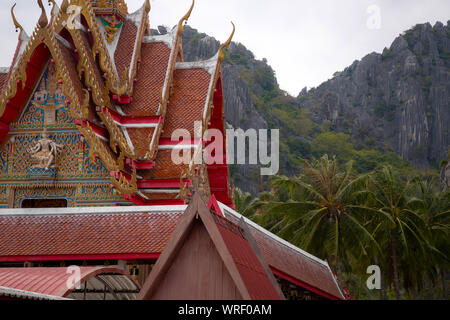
point(250, 274)
point(226, 209)
point(323, 264)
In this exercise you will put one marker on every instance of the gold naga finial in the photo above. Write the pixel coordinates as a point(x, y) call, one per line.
point(65, 6)
point(54, 5)
point(226, 43)
point(147, 6)
point(16, 23)
point(43, 21)
point(185, 18)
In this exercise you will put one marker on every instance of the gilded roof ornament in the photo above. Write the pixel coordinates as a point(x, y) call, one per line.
point(65, 6)
point(226, 44)
point(16, 23)
point(185, 19)
point(43, 21)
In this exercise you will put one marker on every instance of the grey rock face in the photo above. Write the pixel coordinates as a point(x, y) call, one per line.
point(400, 97)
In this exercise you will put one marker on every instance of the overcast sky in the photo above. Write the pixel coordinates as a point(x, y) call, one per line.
point(304, 41)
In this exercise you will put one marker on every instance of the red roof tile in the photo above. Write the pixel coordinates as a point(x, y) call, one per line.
point(3, 78)
point(149, 232)
point(292, 262)
point(85, 234)
point(249, 266)
point(187, 101)
point(165, 168)
point(141, 139)
point(125, 46)
point(150, 80)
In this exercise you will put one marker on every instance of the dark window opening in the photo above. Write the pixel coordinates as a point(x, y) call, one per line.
point(44, 203)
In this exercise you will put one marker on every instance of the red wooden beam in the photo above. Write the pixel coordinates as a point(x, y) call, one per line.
point(137, 199)
point(122, 99)
point(123, 120)
point(140, 164)
point(170, 142)
point(96, 128)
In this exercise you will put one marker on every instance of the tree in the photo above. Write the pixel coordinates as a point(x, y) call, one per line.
point(334, 144)
point(434, 207)
point(324, 214)
point(400, 223)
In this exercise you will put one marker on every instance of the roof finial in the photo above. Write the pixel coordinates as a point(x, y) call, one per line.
point(147, 6)
point(50, 2)
point(43, 21)
point(185, 19)
point(226, 43)
point(16, 23)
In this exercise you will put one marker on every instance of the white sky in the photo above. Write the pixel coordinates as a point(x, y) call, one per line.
point(304, 41)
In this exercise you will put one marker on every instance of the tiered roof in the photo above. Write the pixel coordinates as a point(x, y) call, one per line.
point(112, 233)
point(128, 92)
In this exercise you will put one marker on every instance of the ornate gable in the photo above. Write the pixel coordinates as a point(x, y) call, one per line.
point(109, 94)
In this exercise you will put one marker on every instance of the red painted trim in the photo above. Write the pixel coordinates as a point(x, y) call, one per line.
point(140, 164)
point(122, 99)
point(218, 173)
point(97, 129)
point(170, 142)
point(302, 284)
point(213, 204)
point(122, 120)
point(162, 183)
point(68, 257)
point(137, 199)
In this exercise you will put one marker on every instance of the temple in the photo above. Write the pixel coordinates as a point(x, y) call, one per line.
point(88, 110)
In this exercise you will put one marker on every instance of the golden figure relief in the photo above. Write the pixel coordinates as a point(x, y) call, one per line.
point(45, 151)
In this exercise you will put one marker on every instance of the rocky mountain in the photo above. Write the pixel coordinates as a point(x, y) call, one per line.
point(400, 97)
point(388, 104)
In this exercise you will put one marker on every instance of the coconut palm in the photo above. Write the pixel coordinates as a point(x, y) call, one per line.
point(434, 207)
point(401, 230)
point(325, 212)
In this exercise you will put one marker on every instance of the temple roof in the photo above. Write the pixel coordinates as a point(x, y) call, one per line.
point(128, 91)
point(91, 232)
point(142, 232)
point(217, 251)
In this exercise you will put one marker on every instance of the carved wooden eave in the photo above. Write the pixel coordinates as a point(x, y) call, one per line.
point(166, 91)
point(143, 13)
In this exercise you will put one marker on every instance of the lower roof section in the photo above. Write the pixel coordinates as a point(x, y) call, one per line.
point(84, 283)
point(135, 232)
point(16, 294)
point(86, 233)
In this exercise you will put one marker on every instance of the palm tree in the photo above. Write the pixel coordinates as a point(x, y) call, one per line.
point(434, 207)
point(325, 212)
point(247, 205)
point(401, 225)
point(242, 201)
